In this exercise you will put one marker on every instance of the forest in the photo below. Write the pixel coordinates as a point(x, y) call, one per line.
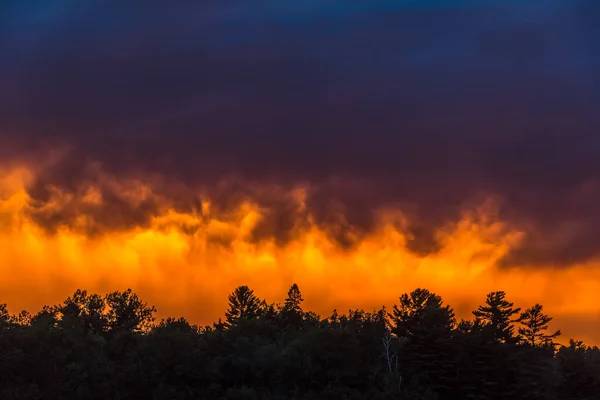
point(112, 347)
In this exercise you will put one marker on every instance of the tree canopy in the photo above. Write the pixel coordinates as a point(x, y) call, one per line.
point(99, 347)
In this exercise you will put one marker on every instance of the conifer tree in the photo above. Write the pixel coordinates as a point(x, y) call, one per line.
point(535, 325)
point(496, 317)
point(291, 311)
point(425, 325)
point(293, 300)
point(243, 303)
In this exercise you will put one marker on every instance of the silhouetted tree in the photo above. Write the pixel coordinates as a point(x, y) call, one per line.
point(22, 319)
point(127, 313)
point(293, 300)
point(94, 347)
point(427, 354)
point(291, 311)
point(535, 325)
point(421, 310)
point(88, 312)
point(5, 318)
point(496, 317)
point(579, 368)
point(243, 303)
point(490, 359)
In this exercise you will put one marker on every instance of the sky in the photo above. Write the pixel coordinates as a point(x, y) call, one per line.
point(359, 147)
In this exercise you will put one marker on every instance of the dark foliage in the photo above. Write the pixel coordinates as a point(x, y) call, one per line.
point(95, 347)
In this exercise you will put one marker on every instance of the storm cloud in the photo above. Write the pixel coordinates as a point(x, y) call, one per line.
point(429, 106)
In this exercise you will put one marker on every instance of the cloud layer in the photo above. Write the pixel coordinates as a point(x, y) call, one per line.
point(426, 106)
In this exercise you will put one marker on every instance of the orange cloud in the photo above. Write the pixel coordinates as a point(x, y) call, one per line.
point(187, 263)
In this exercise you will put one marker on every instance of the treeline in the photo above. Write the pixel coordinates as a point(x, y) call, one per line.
point(111, 347)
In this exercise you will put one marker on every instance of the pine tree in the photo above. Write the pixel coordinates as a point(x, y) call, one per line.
point(293, 300)
point(425, 325)
point(420, 310)
point(243, 303)
point(496, 317)
point(492, 348)
point(291, 312)
point(537, 376)
point(535, 325)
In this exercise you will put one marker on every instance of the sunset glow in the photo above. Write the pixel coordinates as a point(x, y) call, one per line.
point(187, 263)
point(366, 199)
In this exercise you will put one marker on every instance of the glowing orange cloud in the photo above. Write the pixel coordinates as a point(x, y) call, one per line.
point(189, 272)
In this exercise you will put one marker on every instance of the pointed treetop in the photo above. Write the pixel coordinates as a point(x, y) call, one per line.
point(535, 327)
point(496, 316)
point(293, 300)
point(243, 303)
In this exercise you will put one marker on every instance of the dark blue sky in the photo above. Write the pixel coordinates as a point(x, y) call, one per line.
point(427, 104)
